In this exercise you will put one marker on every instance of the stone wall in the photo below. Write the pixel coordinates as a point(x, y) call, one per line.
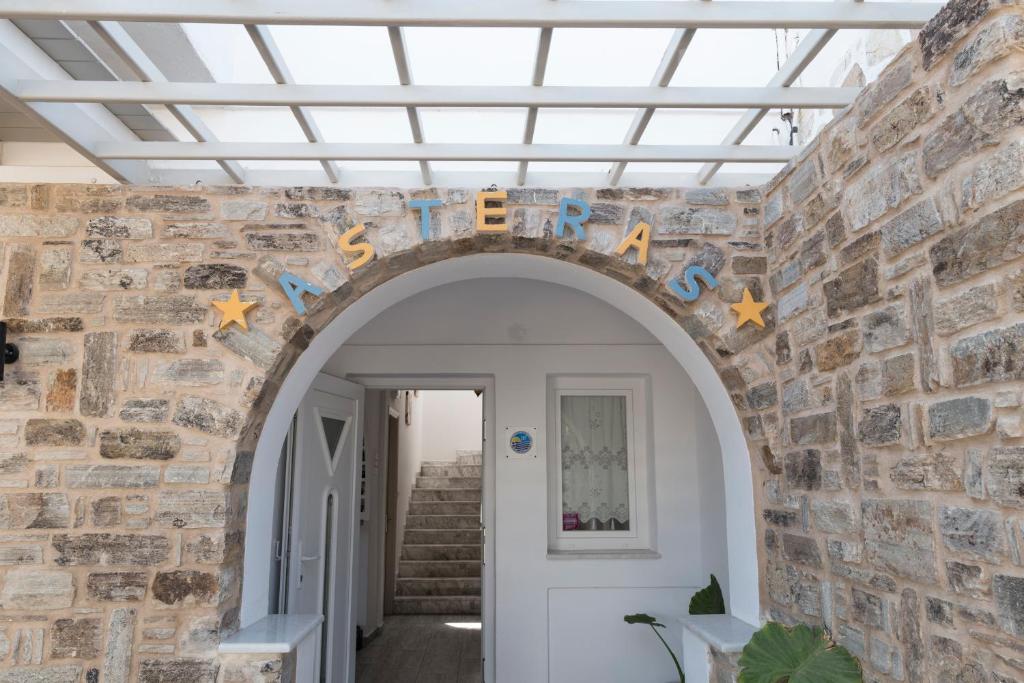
point(881, 401)
point(891, 507)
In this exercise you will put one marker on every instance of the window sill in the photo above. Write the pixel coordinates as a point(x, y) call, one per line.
point(603, 555)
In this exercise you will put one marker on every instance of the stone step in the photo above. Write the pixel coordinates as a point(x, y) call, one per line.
point(447, 482)
point(450, 470)
point(442, 521)
point(424, 569)
point(434, 553)
point(469, 457)
point(446, 495)
point(444, 508)
point(437, 586)
point(442, 536)
point(454, 604)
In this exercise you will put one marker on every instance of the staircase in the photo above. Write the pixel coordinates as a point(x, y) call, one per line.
point(439, 567)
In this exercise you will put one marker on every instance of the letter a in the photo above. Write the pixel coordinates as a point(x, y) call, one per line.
point(364, 249)
point(574, 221)
point(640, 239)
point(692, 289)
point(294, 287)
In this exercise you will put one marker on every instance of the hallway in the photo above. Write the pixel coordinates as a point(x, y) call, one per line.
point(422, 649)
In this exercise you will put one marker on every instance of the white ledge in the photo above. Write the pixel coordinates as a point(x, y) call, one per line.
point(723, 632)
point(274, 633)
point(638, 554)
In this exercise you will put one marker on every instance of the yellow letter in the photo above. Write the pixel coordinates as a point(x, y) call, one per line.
point(364, 249)
point(639, 238)
point(483, 211)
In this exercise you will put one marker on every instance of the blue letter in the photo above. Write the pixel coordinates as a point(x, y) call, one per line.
point(573, 221)
point(692, 290)
point(294, 287)
point(424, 206)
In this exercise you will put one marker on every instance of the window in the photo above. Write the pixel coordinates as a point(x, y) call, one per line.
point(599, 470)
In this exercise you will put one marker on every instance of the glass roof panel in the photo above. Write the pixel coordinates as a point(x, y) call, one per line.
point(350, 55)
point(729, 57)
point(246, 124)
point(483, 126)
point(228, 53)
point(605, 57)
point(384, 124)
point(471, 56)
point(582, 126)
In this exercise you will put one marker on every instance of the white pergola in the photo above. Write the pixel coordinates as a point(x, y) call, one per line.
point(81, 111)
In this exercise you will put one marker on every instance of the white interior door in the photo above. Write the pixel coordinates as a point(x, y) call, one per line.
point(325, 514)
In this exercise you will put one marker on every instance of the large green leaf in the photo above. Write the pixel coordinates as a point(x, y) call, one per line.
point(708, 600)
point(641, 618)
point(796, 655)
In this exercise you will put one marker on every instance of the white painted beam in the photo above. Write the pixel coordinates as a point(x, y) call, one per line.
point(442, 152)
point(397, 39)
point(412, 96)
point(540, 65)
point(79, 125)
point(538, 13)
point(278, 68)
point(136, 59)
point(677, 47)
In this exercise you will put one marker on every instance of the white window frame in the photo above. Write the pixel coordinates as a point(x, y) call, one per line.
point(636, 390)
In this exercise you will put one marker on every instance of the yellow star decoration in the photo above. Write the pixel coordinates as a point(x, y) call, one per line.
point(234, 310)
point(749, 310)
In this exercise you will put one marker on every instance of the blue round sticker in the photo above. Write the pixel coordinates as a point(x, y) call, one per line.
point(521, 442)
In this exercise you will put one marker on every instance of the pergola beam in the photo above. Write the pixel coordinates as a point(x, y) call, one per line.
point(397, 38)
point(412, 96)
point(522, 13)
point(540, 66)
point(308, 151)
point(278, 68)
point(136, 59)
point(81, 126)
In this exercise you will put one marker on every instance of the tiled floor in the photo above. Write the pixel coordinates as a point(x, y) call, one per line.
point(422, 648)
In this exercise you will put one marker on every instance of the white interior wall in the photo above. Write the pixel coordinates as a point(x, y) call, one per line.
point(561, 619)
point(452, 422)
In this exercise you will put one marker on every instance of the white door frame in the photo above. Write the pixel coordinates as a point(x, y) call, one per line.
point(470, 382)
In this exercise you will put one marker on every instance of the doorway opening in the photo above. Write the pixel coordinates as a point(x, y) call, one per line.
point(428, 497)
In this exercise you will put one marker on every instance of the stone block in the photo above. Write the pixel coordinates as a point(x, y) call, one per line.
point(120, 228)
point(190, 372)
point(963, 310)
point(54, 432)
point(911, 227)
point(168, 309)
point(899, 537)
point(75, 638)
point(948, 26)
point(995, 176)
point(996, 107)
point(215, 276)
point(173, 206)
point(37, 589)
point(111, 476)
point(55, 267)
point(1004, 478)
point(196, 231)
point(803, 470)
point(897, 375)
point(178, 670)
point(318, 194)
point(207, 415)
point(195, 509)
point(812, 429)
point(926, 472)
point(885, 89)
point(1008, 592)
point(138, 444)
point(145, 410)
point(959, 418)
point(251, 344)
point(880, 425)
point(802, 550)
point(997, 39)
point(853, 288)
point(973, 532)
point(21, 271)
point(185, 588)
point(34, 511)
point(833, 517)
point(392, 203)
point(283, 241)
point(243, 210)
point(885, 329)
point(838, 351)
point(156, 341)
point(117, 586)
point(27, 225)
point(992, 356)
point(114, 279)
point(67, 673)
point(130, 550)
point(106, 511)
point(686, 220)
point(884, 188)
point(604, 213)
point(992, 241)
point(902, 120)
point(117, 663)
point(99, 371)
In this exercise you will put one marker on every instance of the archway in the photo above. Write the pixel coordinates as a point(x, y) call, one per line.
point(273, 413)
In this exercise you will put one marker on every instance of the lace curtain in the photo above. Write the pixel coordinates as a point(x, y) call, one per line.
point(595, 468)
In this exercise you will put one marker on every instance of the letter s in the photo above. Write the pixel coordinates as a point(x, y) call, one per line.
point(692, 289)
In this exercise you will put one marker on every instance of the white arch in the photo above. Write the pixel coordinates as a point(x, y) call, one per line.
point(741, 535)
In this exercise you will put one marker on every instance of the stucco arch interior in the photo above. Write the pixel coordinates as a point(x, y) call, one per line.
point(741, 580)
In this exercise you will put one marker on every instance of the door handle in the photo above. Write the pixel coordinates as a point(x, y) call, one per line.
point(310, 558)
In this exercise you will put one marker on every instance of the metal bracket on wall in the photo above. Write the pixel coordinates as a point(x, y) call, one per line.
point(10, 351)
